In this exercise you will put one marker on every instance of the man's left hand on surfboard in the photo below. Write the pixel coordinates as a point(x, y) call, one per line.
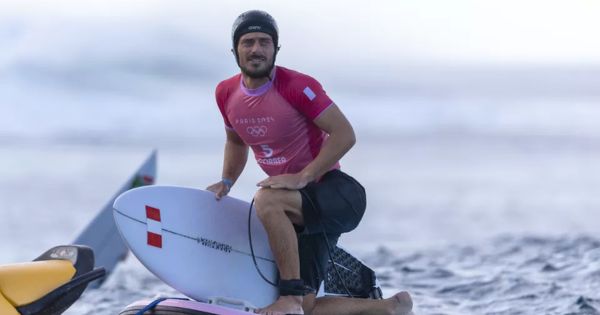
point(220, 189)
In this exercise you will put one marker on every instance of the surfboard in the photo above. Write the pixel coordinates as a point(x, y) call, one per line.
point(101, 233)
point(196, 244)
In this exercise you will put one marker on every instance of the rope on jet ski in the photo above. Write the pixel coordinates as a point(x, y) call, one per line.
point(150, 306)
point(154, 303)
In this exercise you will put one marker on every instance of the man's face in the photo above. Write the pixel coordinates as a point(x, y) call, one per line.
point(256, 52)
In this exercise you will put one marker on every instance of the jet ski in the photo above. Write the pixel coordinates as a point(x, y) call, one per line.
point(49, 284)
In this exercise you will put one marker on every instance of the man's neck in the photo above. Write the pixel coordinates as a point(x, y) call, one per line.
point(254, 83)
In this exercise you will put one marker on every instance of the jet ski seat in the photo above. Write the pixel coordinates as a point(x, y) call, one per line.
point(48, 285)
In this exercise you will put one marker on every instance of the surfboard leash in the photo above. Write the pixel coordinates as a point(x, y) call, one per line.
point(252, 247)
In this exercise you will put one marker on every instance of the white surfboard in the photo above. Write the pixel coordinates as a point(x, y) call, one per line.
point(196, 244)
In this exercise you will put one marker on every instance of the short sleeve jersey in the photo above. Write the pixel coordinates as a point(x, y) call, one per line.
point(276, 119)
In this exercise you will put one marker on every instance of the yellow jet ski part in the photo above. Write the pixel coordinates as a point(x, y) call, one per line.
point(6, 308)
point(25, 283)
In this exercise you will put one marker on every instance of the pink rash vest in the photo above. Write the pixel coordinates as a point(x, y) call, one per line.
point(276, 119)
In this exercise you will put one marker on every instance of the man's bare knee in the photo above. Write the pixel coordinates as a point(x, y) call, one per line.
point(269, 202)
point(266, 202)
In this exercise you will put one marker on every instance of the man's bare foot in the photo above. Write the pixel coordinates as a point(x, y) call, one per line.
point(284, 305)
point(400, 304)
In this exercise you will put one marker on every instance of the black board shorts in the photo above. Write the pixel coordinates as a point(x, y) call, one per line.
point(332, 206)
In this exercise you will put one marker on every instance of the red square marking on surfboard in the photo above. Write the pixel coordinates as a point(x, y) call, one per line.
point(153, 213)
point(154, 239)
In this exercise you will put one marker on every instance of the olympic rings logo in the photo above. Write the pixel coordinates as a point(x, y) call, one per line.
point(257, 131)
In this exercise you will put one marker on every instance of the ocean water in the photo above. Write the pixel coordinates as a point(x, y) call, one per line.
point(482, 182)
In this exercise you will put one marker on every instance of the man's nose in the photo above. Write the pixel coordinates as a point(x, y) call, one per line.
point(255, 47)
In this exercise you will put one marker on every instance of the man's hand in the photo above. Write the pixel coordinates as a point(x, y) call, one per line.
point(285, 181)
point(220, 189)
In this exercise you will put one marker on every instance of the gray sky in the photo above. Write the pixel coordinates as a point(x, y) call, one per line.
point(458, 31)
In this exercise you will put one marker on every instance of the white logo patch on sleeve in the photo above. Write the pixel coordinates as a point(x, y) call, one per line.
point(309, 93)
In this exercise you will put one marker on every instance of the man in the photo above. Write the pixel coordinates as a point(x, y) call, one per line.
point(298, 135)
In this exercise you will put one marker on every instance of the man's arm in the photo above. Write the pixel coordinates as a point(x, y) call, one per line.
point(341, 139)
point(234, 161)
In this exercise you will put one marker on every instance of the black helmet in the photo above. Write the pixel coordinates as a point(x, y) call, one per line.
point(254, 21)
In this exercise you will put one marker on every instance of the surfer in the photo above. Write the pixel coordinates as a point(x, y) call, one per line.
point(298, 135)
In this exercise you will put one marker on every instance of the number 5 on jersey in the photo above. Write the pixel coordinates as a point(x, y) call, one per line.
point(267, 151)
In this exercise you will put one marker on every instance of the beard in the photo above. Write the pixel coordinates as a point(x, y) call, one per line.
point(259, 72)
